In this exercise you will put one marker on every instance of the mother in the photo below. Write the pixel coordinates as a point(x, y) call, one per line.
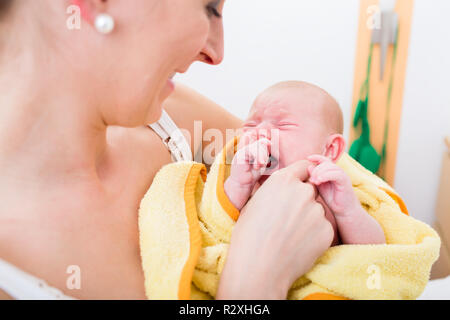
point(76, 157)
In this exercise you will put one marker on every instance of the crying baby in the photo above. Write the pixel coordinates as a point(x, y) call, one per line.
point(293, 121)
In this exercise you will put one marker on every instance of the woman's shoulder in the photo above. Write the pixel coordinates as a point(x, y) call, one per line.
point(134, 156)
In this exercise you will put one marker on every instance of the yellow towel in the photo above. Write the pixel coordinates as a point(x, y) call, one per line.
point(186, 221)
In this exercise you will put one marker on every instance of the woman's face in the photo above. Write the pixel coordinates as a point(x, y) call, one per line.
point(153, 40)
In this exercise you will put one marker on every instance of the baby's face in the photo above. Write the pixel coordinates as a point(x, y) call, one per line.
point(294, 124)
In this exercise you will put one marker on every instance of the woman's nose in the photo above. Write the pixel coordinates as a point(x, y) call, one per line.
point(213, 51)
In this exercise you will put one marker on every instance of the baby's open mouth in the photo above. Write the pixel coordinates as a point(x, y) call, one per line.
point(272, 163)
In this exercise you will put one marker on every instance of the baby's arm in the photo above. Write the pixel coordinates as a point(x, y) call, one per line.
point(247, 167)
point(355, 225)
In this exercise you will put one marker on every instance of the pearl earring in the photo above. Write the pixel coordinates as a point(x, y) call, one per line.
point(104, 23)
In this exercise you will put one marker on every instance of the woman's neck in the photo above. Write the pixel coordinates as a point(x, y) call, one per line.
point(49, 133)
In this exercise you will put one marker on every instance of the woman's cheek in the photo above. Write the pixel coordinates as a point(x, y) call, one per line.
point(197, 33)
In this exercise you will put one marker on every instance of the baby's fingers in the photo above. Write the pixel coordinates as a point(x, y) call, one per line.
point(260, 153)
point(311, 169)
point(328, 176)
point(247, 139)
point(317, 158)
point(328, 173)
point(323, 168)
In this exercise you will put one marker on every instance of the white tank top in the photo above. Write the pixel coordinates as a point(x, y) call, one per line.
point(173, 138)
point(23, 286)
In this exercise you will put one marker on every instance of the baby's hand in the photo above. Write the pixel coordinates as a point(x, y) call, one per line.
point(354, 224)
point(333, 185)
point(250, 162)
point(247, 167)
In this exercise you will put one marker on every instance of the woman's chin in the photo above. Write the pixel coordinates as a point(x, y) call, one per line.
point(155, 110)
point(154, 115)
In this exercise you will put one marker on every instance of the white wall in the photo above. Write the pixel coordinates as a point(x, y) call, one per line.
point(268, 41)
point(426, 108)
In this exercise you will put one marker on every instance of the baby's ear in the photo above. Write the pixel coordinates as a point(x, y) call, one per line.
point(335, 147)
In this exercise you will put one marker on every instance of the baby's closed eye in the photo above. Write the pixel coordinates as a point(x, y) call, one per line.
point(287, 125)
point(250, 125)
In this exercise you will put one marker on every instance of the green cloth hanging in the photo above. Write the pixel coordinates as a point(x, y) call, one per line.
point(361, 149)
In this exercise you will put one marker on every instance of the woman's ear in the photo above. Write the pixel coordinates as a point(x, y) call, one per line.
point(335, 147)
point(90, 8)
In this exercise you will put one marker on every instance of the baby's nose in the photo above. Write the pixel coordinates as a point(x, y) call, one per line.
point(264, 131)
point(264, 134)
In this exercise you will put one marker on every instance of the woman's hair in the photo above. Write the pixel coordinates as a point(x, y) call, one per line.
point(4, 5)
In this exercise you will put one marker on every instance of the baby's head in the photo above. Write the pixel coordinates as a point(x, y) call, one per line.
point(308, 119)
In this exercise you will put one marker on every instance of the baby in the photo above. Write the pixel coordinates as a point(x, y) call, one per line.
point(308, 125)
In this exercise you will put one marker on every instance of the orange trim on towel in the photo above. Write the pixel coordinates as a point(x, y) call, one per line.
point(397, 199)
point(323, 296)
point(195, 237)
point(226, 204)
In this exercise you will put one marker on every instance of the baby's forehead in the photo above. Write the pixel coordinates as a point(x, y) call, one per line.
point(282, 104)
point(270, 110)
point(298, 101)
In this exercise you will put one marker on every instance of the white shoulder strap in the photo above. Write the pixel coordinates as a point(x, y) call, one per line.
point(23, 286)
point(173, 138)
